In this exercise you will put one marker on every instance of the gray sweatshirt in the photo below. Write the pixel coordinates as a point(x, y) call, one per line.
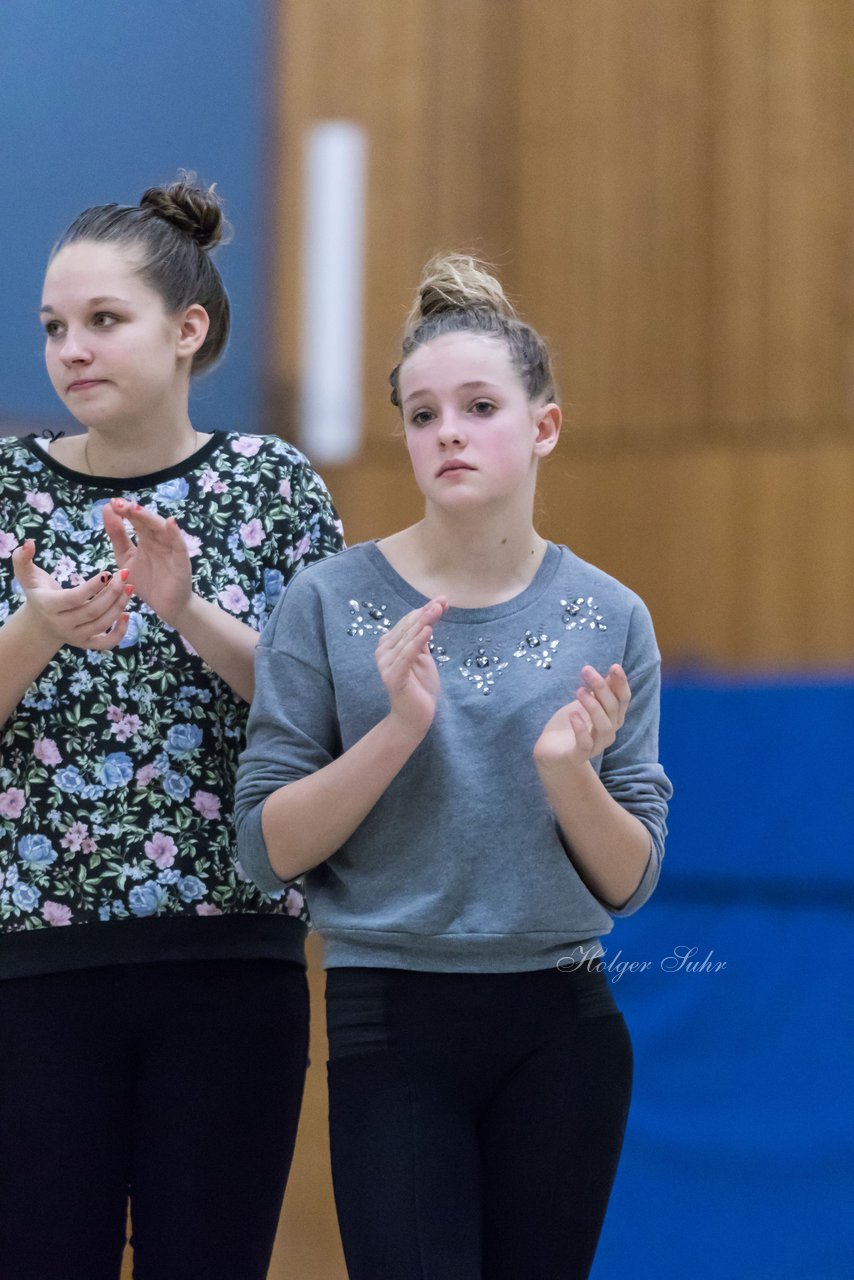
point(461, 865)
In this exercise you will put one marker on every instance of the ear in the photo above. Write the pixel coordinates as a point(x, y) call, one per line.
point(193, 329)
point(547, 422)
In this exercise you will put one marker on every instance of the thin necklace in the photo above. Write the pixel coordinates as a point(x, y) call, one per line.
point(91, 469)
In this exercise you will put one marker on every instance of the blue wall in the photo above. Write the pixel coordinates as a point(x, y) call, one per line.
point(99, 101)
point(738, 1155)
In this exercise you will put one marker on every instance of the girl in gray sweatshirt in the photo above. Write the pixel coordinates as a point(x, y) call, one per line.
point(455, 738)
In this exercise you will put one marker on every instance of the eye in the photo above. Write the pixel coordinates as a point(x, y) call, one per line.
point(104, 319)
point(421, 418)
point(482, 408)
point(53, 328)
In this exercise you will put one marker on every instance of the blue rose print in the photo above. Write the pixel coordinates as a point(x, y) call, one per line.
point(147, 899)
point(172, 490)
point(177, 785)
point(116, 770)
point(190, 888)
point(37, 851)
point(25, 896)
point(68, 779)
point(183, 738)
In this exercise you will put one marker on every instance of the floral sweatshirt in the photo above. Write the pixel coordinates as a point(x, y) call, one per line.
point(117, 768)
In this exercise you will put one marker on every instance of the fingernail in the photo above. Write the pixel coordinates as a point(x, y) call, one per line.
point(128, 591)
point(105, 577)
point(123, 574)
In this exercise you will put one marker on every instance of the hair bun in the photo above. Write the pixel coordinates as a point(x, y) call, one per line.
point(193, 209)
point(458, 282)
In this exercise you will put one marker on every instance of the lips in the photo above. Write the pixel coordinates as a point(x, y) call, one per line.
point(83, 384)
point(454, 464)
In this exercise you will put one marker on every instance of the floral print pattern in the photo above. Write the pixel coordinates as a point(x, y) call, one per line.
point(117, 769)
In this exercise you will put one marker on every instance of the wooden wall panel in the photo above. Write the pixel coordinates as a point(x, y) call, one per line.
point(667, 189)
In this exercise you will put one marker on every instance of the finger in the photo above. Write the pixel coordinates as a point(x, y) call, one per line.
point(175, 535)
point(145, 520)
point(603, 719)
point(581, 727)
point(618, 682)
point(393, 662)
point(612, 690)
point(602, 699)
point(101, 610)
point(107, 640)
point(411, 622)
point(73, 598)
point(101, 625)
point(113, 515)
point(23, 563)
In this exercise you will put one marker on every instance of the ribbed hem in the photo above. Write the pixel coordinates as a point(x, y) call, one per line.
point(455, 953)
point(90, 946)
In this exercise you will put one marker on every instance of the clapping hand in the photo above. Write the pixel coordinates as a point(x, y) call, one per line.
point(584, 728)
point(158, 561)
point(407, 668)
point(90, 615)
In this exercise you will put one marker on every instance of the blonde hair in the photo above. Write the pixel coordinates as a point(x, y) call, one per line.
point(459, 294)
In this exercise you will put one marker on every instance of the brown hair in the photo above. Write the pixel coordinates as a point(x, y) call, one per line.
point(459, 294)
point(175, 227)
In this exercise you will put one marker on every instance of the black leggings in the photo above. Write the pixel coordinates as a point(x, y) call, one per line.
point(476, 1121)
point(178, 1084)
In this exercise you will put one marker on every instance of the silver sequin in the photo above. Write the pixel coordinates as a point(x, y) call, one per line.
point(439, 652)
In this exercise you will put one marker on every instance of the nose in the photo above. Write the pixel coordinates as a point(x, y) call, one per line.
point(74, 348)
point(451, 430)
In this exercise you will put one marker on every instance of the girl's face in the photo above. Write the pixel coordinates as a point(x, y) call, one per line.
point(113, 353)
point(473, 435)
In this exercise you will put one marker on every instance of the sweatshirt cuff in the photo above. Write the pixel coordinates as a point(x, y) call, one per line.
point(648, 881)
point(253, 857)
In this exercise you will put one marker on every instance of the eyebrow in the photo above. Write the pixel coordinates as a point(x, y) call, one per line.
point(93, 302)
point(464, 386)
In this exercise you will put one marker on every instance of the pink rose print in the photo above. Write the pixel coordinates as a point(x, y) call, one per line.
point(248, 446)
point(209, 482)
point(146, 775)
point(285, 490)
point(12, 803)
point(207, 805)
point(300, 549)
point(77, 837)
point(63, 569)
point(56, 913)
point(207, 909)
point(192, 543)
point(46, 751)
point(252, 533)
point(42, 502)
point(123, 725)
point(294, 902)
point(161, 850)
point(8, 543)
point(233, 599)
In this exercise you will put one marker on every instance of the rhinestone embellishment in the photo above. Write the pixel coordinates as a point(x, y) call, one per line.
point(582, 613)
point(368, 619)
point(482, 667)
point(535, 646)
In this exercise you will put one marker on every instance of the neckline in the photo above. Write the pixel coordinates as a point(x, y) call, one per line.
point(125, 482)
point(485, 613)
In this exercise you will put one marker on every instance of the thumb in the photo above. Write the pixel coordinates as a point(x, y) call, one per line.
point(23, 558)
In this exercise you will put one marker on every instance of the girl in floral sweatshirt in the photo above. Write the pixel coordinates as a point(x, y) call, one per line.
point(153, 1004)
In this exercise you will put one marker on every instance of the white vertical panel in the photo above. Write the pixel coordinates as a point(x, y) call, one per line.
point(333, 239)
